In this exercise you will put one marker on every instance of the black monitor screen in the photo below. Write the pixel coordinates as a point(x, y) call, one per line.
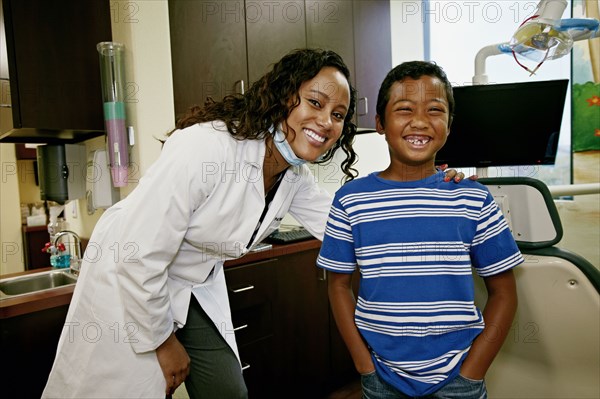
point(505, 124)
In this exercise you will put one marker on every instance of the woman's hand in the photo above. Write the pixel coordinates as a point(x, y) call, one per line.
point(452, 174)
point(174, 362)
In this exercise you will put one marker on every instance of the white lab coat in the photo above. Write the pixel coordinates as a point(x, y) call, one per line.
point(196, 207)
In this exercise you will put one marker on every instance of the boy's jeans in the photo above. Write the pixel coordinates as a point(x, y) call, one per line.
point(459, 388)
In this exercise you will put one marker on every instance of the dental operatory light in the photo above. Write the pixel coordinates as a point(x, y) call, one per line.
point(543, 36)
point(538, 39)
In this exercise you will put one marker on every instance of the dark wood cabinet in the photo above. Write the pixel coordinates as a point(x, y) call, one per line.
point(342, 365)
point(287, 338)
point(28, 344)
point(273, 28)
point(373, 55)
point(23, 152)
point(222, 47)
point(54, 68)
point(329, 25)
point(208, 50)
point(302, 319)
point(34, 239)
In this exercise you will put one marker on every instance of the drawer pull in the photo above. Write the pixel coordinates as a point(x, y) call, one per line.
point(245, 366)
point(242, 88)
point(247, 288)
point(366, 107)
point(322, 276)
point(240, 327)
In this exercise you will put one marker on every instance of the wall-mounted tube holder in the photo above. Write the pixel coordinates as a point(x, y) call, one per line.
point(113, 95)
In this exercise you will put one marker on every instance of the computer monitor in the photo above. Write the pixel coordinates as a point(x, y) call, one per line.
point(505, 124)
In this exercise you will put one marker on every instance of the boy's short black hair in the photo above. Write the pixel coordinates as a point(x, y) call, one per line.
point(413, 70)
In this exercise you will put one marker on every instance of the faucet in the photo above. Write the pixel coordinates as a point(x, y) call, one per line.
point(75, 263)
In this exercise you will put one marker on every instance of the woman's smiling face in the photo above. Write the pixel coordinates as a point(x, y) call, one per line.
point(317, 122)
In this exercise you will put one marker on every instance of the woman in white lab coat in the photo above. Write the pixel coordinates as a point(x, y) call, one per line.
point(157, 256)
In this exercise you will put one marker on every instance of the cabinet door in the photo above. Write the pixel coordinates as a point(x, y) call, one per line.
point(301, 320)
point(23, 152)
point(53, 62)
point(273, 29)
point(329, 25)
point(373, 55)
point(208, 50)
point(28, 345)
point(34, 239)
point(342, 365)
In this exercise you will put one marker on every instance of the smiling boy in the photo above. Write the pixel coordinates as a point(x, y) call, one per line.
point(415, 330)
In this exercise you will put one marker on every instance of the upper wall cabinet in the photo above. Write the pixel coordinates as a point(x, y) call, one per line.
point(373, 55)
point(222, 47)
point(208, 50)
point(54, 69)
point(272, 30)
point(329, 25)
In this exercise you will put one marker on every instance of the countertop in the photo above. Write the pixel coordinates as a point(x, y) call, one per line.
point(61, 296)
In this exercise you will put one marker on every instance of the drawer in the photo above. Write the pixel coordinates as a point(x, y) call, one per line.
point(250, 285)
point(253, 323)
point(258, 369)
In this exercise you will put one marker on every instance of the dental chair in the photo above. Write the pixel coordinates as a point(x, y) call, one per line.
point(553, 348)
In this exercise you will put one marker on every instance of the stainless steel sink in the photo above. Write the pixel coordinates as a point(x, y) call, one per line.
point(21, 285)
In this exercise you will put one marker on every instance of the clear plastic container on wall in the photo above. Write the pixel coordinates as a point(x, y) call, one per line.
point(113, 94)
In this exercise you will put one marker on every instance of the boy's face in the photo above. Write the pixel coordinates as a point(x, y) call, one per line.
point(416, 121)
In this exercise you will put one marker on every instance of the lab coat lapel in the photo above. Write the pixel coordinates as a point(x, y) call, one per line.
point(280, 200)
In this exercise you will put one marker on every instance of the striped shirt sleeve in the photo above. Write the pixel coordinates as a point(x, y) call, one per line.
point(337, 251)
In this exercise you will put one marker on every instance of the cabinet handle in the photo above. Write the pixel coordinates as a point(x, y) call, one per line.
point(242, 87)
point(322, 274)
point(246, 288)
point(240, 327)
point(366, 108)
point(245, 366)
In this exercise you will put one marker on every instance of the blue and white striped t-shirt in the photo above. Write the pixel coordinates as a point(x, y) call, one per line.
point(415, 244)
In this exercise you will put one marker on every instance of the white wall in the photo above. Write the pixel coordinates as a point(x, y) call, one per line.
point(11, 243)
point(143, 27)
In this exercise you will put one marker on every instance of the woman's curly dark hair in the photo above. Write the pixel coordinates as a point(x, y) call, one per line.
point(267, 103)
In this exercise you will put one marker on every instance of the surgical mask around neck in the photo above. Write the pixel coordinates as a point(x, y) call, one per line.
point(284, 148)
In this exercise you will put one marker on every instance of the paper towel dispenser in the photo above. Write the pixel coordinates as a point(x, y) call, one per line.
point(62, 171)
